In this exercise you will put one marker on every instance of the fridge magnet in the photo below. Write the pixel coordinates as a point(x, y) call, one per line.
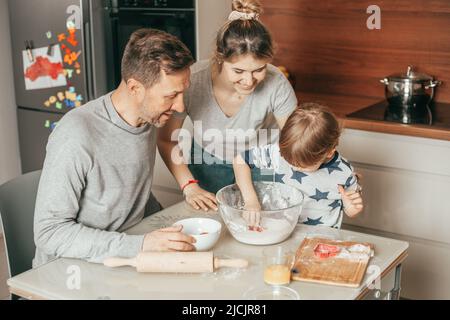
point(72, 41)
point(45, 71)
point(79, 97)
point(29, 50)
point(71, 58)
point(48, 34)
point(60, 96)
point(61, 37)
point(69, 103)
point(50, 125)
point(72, 89)
point(78, 71)
point(52, 99)
point(53, 125)
point(71, 96)
point(50, 49)
point(77, 104)
point(68, 73)
point(58, 105)
point(72, 38)
point(70, 24)
point(47, 104)
point(77, 65)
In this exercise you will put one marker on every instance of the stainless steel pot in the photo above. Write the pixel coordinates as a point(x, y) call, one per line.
point(410, 90)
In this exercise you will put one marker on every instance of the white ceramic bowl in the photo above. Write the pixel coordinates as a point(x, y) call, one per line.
point(206, 231)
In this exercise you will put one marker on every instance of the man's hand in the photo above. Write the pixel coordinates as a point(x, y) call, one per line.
point(352, 200)
point(199, 198)
point(168, 239)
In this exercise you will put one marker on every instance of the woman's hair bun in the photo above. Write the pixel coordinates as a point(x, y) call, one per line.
point(247, 6)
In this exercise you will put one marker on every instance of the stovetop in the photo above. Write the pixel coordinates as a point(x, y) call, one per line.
point(436, 116)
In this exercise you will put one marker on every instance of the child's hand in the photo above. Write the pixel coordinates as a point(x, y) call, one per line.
point(352, 200)
point(252, 215)
point(253, 206)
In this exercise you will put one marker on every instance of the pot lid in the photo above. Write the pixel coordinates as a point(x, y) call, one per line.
point(410, 75)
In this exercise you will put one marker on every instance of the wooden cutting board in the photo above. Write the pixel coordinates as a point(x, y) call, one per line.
point(331, 270)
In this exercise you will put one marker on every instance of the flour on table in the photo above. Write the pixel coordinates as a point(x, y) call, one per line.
point(226, 273)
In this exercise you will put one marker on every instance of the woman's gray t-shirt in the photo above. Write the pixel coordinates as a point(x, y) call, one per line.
point(224, 136)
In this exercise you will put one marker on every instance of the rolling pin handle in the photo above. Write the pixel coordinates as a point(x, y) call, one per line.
point(232, 263)
point(119, 262)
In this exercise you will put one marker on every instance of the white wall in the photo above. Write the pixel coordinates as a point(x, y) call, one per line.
point(9, 141)
point(211, 15)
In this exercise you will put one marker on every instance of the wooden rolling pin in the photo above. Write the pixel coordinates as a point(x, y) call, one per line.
point(188, 262)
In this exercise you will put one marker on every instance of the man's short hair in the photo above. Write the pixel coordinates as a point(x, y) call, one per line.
point(149, 51)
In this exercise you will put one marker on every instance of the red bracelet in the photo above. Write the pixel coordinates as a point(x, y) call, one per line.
point(188, 183)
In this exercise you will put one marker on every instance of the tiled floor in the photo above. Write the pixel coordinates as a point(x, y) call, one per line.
point(4, 293)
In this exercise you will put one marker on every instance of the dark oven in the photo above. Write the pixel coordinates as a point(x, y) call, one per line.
point(125, 16)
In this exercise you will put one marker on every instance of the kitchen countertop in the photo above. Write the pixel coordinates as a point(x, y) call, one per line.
point(51, 280)
point(345, 105)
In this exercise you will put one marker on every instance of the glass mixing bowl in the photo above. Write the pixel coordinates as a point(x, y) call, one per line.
point(281, 207)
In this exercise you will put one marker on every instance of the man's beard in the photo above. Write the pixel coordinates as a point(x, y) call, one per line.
point(151, 118)
point(157, 124)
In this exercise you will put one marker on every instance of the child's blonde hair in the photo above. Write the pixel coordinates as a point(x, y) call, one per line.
point(309, 134)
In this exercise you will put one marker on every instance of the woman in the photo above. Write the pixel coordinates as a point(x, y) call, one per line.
point(231, 98)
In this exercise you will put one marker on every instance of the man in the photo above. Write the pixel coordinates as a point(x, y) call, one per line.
point(97, 175)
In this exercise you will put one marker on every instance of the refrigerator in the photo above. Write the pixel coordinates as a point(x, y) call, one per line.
point(58, 49)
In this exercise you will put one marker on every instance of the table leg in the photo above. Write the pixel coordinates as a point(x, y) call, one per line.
point(395, 293)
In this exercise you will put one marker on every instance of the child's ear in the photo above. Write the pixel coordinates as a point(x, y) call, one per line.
point(331, 153)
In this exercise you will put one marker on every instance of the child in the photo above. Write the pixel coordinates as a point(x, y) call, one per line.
point(305, 158)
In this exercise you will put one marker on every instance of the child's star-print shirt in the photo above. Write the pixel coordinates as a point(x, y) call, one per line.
point(323, 202)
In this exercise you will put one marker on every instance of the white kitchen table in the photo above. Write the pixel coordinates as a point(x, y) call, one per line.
point(76, 279)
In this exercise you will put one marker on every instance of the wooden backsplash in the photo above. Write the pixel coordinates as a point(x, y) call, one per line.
point(327, 46)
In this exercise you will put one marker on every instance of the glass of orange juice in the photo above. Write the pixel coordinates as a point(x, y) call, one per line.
point(278, 262)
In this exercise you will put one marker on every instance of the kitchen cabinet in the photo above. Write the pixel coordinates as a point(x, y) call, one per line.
point(405, 183)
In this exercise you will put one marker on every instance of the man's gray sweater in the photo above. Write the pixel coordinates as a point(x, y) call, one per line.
point(96, 182)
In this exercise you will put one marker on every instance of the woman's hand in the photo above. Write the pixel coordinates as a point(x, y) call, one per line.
point(199, 198)
point(352, 201)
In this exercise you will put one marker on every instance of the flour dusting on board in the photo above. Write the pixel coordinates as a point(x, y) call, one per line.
point(354, 252)
point(333, 262)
